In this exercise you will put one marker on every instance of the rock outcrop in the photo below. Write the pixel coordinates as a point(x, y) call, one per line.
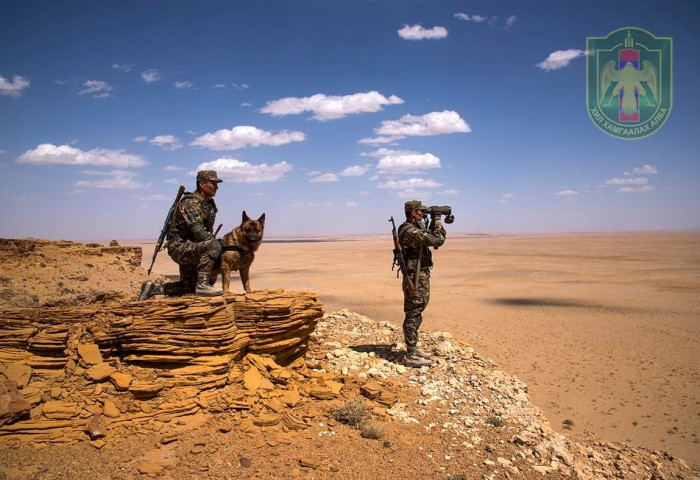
point(163, 353)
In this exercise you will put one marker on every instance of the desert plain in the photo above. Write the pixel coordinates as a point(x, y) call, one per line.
point(604, 328)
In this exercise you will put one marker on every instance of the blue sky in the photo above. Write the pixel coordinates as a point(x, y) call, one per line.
point(328, 115)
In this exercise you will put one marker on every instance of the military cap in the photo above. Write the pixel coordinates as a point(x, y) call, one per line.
point(204, 175)
point(413, 205)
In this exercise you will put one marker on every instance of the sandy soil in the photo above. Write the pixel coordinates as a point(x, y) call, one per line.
point(604, 328)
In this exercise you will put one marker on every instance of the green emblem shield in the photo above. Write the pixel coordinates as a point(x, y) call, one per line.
point(629, 82)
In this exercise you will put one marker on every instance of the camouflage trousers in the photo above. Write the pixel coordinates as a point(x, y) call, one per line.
point(193, 258)
point(413, 306)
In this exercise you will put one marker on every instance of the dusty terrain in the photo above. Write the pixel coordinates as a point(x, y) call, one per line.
point(463, 418)
point(603, 328)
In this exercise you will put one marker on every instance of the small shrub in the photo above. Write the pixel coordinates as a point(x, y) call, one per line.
point(568, 424)
point(459, 476)
point(372, 430)
point(351, 413)
point(495, 421)
point(386, 444)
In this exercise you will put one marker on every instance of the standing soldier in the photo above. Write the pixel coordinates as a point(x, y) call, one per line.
point(415, 240)
point(191, 242)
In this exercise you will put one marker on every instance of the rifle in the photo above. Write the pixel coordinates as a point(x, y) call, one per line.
point(166, 226)
point(399, 261)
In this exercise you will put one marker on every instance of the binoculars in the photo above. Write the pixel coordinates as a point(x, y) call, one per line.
point(443, 210)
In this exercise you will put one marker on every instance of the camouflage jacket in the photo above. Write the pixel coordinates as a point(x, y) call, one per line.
point(193, 220)
point(415, 239)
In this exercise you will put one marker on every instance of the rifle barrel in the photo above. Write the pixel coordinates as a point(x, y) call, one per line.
point(166, 225)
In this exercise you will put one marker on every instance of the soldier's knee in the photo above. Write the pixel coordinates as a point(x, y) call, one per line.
point(214, 249)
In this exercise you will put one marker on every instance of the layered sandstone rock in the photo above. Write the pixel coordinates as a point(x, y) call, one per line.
point(134, 361)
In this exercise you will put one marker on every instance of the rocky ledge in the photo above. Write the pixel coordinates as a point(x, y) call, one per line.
point(63, 366)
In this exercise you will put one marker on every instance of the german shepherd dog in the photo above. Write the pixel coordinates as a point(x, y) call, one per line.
point(238, 252)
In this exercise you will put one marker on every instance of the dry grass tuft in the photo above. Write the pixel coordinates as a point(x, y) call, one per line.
point(350, 413)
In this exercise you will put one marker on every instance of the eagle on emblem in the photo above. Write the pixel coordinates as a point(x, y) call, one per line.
point(628, 79)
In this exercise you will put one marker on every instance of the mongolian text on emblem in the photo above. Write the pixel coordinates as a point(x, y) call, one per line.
point(629, 82)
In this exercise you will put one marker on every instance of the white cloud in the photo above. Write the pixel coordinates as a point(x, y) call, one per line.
point(470, 18)
point(14, 88)
point(351, 203)
point(241, 86)
point(643, 170)
point(627, 181)
point(510, 21)
point(246, 104)
point(183, 84)
point(644, 189)
point(140, 139)
point(383, 152)
point(326, 177)
point(97, 88)
point(505, 198)
point(123, 68)
point(116, 179)
point(355, 170)
point(244, 172)
point(411, 193)
point(48, 154)
point(560, 59)
point(245, 135)
point(433, 123)
point(149, 198)
point(332, 107)
point(567, 193)
point(167, 142)
point(172, 181)
point(407, 163)
point(450, 191)
point(417, 32)
point(150, 75)
point(409, 183)
point(173, 168)
point(3, 152)
point(219, 85)
point(381, 140)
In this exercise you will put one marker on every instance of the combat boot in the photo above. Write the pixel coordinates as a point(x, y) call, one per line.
point(206, 289)
point(415, 361)
point(420, 353)
point(150, 289)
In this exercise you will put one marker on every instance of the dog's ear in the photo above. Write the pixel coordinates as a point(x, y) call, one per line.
point(245, 218)
point(262, 220)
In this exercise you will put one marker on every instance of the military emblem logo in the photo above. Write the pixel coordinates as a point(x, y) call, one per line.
point(628, 82)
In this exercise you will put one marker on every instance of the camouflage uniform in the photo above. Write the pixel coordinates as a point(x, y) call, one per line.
point(415, 239)
point(191, 243)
